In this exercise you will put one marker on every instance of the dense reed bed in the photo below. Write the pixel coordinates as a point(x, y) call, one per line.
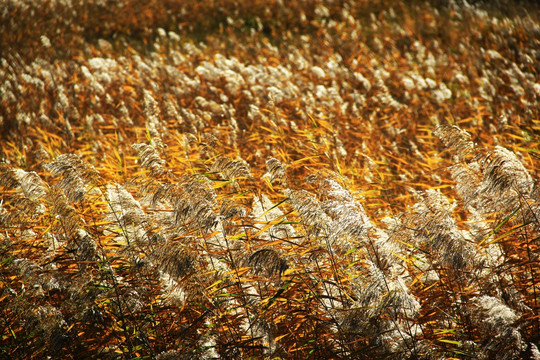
point(269, 179)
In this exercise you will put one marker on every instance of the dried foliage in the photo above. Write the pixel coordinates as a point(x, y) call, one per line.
point(244, 179)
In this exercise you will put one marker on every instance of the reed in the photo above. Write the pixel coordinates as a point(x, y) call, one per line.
point(322, 180)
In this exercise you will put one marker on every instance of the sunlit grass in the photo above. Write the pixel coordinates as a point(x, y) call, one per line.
point(322, 180)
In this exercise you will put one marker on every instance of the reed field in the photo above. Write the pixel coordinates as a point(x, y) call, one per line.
point(225, 179)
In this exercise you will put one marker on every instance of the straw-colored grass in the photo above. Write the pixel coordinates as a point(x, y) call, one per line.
point(269, 179)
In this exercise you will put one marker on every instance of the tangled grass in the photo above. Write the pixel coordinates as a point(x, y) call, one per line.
point(317, 179)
